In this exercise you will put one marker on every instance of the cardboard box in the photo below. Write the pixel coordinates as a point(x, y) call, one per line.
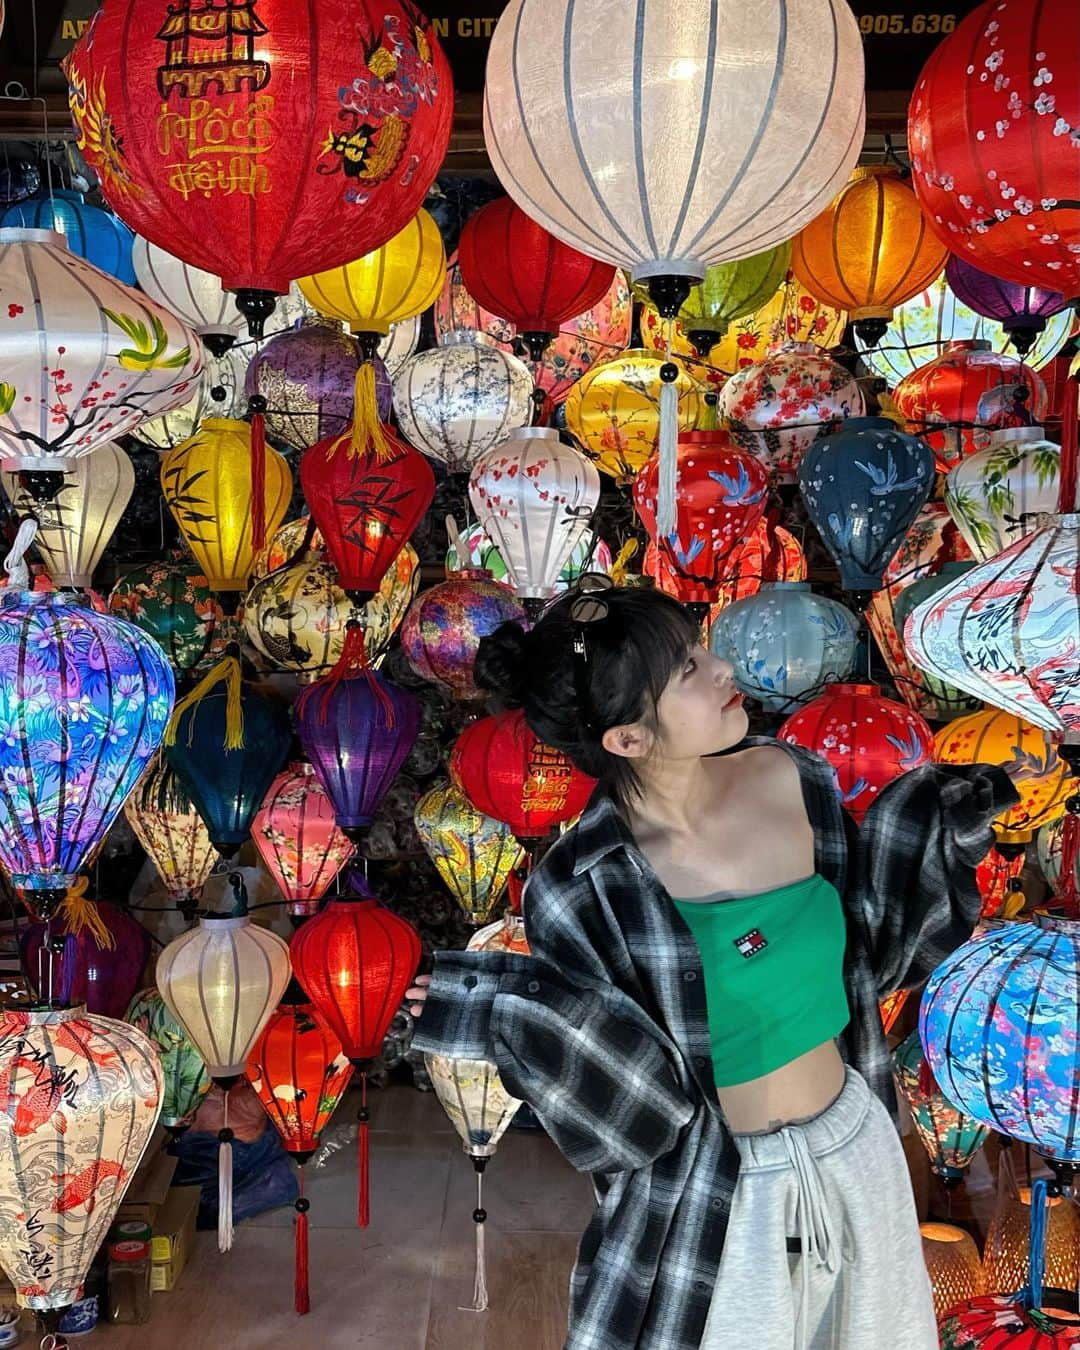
point(149, 1187)
point(174, 1237)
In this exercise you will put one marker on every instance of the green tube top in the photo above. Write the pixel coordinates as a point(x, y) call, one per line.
point(774, 975)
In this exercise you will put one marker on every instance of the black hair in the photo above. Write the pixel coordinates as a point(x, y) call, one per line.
point(633, 651)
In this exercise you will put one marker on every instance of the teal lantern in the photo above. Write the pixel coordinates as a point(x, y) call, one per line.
point(185, 1080)
point(91, 232)
point(949, 1135)
point(951, 702)
point(785, 643)
point(863, 488)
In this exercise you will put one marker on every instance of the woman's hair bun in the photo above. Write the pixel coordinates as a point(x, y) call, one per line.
point(501, 665)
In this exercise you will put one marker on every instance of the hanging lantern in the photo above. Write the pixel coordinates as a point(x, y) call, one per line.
point(943, 701)
point(950, 1137)
point(354, 961)
point(458, 400)
point(395, 282)
point(84, 699)
point(366, 506)
point(779, 407)
point(1041, 778)
point(299, 1073)
point(226, 746)
point(341, 120)
point(997, 1022)
point(298, 840)
point(597, 160)
point(989, 171)
point(356, 729)
point(770, 553)
point(534, 498)
point(792, 315)
point(613, 411)
point(1022, 311)
point(863, 487)
point(720, 499)
point(953, 1264)
point(445, 624)
point(729, 291)
point(219, 393)
point(519, 271)
point(785, 644)
point(589, 554)
point(81, 1097)
point(966, 392)
point(1000, 885)
point(997, 495)
point(869, 250)
point(91, 233)
point(457, 311)
point(75, 525)
point(508, 773)
point(1007, 1255)
point(1048, 847)
point(196, 296)
point(399, 344)
point(185, 1080)
point(307, 375)
point(91, 953)
point(869, 740)
point(474, 854)
point(1020, 655)
point(173, 834)
point(208, 483)
point(85, 358)
point(173, 602)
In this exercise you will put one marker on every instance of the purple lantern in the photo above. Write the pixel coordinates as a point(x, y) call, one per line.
point(307, 376)
point(101, 962)
point(1021, 310)
point(356, 729)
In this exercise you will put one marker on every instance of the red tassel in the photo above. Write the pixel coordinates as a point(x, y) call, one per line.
point(927, 1082)
point(258, 482)
point(364, 1196)
point(1067, 494)
point(301, 1294)
point(1070, 842)
point(771, 567)
point(351, 664)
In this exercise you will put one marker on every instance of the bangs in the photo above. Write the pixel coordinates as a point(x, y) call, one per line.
point(661, 634)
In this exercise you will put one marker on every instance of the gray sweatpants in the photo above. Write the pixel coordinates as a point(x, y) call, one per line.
point(838, 1183)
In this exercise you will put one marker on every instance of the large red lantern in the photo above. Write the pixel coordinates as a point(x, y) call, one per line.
point(354, 961)
point(1001, 1322)
point(509, 773)
point(262, 140)
point(993, 130)
point(869, 740)
point(721, 498)
point(366, 505)
point(513, 267)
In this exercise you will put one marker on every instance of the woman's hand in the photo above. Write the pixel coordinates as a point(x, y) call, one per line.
point(419, 991)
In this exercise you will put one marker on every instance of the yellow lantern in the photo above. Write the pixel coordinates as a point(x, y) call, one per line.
point(207, 485)
point(869, 250)
point(387, 286)
point(953, 1264)
point(1043, 780)
point(613, 411)
point(1005, 1258)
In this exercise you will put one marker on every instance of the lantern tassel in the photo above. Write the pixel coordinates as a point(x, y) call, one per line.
point(301, 1293)
point(80, 913)
point(480, 1290)
point(225, 1183)
point(1070, 843)
point(351, 664)
point(1067, 491)
point(258, 482)
point(227, 669)
point(15, 565)
point(367, 433)
point(622, 561)
point(667, 477)
point(362, 1159)
point(1032, 1294)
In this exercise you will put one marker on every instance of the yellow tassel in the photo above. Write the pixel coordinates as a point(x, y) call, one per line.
point(80, 913)
point(622, 562)
point(367, 432)
point(228, 670)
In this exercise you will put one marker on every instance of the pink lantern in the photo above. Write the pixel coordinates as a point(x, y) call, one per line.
point(299, 842)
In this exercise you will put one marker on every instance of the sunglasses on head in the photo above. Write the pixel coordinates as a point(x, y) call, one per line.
point(588, 606)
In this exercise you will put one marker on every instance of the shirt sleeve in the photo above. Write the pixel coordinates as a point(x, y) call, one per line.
point(600, 1081)
point(914, 862)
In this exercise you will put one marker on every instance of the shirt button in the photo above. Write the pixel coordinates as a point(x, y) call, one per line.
point(701, 1286)
point(533, 986)
point(470, 981)
point(700, 1060)
point(689, 975)
point(716, 1204)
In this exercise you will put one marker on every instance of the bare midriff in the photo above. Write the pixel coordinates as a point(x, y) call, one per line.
point(795, 1091)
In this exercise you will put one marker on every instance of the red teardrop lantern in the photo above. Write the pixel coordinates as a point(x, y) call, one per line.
point(869, 740)
point(354, 961)
point(366, 505)
point(262, 140)
point(509, 773)
point(517, 270)
point(721, 498)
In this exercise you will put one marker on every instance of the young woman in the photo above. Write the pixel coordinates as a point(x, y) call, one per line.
point(698, 1025)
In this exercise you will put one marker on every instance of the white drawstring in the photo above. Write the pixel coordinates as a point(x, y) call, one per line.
point(812, 1220)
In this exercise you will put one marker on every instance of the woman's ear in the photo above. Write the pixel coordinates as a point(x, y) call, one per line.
point(631, 741)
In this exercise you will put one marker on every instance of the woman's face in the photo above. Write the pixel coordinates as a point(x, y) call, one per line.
point(700, 711)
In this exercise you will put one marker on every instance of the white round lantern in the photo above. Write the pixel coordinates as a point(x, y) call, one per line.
point(83, 358)
point(997, 495)
point(665, 138)
point(75, 526)
point(195, 295)
point(534, 497)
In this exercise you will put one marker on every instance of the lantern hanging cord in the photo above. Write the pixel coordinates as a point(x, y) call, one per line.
point(18, 571)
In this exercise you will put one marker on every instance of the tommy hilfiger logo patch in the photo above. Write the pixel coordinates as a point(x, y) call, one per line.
point(751, 943)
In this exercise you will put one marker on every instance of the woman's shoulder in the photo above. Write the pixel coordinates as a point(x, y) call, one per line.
point(776, 765)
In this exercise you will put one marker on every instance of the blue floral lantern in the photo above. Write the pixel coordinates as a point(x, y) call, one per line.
point(950, 1136)
point(998, 1022)
point(863, 488)
point(949, 701)
point(93, 233)
point(785, 643)
point(84, 702)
